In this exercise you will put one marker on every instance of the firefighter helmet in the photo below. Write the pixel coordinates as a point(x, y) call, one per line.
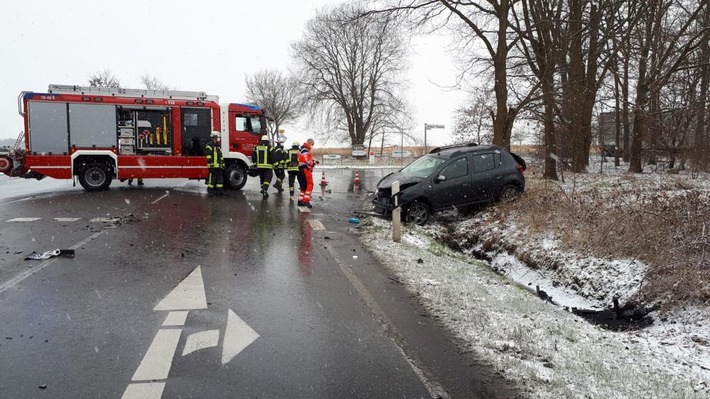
point(264, 138)
point(215, 134)
point(296, 144)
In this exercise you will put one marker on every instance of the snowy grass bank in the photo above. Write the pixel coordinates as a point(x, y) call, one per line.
point(547, 351)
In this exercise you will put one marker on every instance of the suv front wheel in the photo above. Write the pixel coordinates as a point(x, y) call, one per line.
point(418, 213)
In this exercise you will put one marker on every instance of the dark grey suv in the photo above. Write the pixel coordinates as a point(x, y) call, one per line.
point(452, 176)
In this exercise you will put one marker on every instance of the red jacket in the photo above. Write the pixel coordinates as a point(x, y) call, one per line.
point(305, 159)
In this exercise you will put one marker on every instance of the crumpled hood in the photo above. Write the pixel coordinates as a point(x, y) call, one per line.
point(404, 181)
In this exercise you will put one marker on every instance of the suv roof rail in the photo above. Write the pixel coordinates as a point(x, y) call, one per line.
point(446, 147)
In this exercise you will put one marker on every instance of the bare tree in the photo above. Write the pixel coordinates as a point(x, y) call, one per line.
point(350, 69)
point(474, 121)
point(701, 139)
point(104, 78)
point(538, 25)
point(478, 21)
point(277, 94)
point(153, 83)
point(666, 37)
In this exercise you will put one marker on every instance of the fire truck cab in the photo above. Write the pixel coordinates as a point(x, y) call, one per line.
point(99, 134)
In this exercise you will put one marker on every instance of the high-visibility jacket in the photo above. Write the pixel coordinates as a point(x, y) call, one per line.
point(263, 156)
point(280, 157)
point(214, 155)
point(292, 161)
point(305, 158)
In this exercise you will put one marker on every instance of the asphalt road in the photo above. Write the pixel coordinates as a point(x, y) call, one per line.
point(173, 294)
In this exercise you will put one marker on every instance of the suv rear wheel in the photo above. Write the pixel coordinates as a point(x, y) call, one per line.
point(509, 193)
point(418, 213)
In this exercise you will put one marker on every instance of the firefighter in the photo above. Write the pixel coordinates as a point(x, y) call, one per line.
point(305, 175)
point(292, 167)
point(280, 159)
point(215, 164)
point(263, 157)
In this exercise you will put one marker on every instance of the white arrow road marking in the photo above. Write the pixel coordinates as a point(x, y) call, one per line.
point(23, 220)
point(316, 224)
point(150, 390)
point(188, 295)
point(175, 319)
point(201, 340)
point(157, 361)
point(155, 366)
point(237, 337)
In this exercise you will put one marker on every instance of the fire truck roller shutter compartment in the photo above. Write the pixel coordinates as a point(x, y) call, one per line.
point(49, 131)
point(154, 130)
point(92, 125)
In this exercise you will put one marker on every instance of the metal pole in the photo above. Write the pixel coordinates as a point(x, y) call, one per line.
point(425, 138)
point(401, 149)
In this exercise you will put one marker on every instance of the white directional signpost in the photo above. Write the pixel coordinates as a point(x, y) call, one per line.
point(149, 380)
point(427, 127)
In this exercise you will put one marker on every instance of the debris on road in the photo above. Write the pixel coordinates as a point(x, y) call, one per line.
point(66, 253)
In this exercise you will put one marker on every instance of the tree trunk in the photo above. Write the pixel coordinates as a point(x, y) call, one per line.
point(638, 131)
point(548, 97)
point(625, 112)
point(502, 124)
point(575, 91)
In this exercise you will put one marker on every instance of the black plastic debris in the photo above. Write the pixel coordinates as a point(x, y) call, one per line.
point(65, 253)
point(630, 316)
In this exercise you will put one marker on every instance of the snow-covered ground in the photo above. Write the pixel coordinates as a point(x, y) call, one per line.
point(543, 348)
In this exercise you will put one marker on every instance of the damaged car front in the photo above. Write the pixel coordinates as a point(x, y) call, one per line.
point(410, 183)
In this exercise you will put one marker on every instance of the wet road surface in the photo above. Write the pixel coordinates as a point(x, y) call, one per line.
point(173, 294)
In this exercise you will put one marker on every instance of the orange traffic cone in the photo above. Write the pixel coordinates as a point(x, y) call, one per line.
point(322, 180)
point(357, 177)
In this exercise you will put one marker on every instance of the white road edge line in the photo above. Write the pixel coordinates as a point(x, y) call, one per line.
point(19, 200)
point(10, 283)
point(434, 388)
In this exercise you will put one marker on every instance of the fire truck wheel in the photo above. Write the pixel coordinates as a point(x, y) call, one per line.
point(235, 176)
point(95, 177)
point(5, 164)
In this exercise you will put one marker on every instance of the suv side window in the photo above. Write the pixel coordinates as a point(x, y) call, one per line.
point(484, 162)
point(458, 168)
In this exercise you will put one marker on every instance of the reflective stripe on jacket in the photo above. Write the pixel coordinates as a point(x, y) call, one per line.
point(264, 153)
point(279, 157)
point(305, 158)
point(214, 155)
point(292, 161)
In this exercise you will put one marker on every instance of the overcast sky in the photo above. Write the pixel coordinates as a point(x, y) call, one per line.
point(203, 45)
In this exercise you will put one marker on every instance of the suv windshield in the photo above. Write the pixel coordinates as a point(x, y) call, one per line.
point(423, 166)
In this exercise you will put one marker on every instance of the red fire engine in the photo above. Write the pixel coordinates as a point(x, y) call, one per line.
point(100, 134)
